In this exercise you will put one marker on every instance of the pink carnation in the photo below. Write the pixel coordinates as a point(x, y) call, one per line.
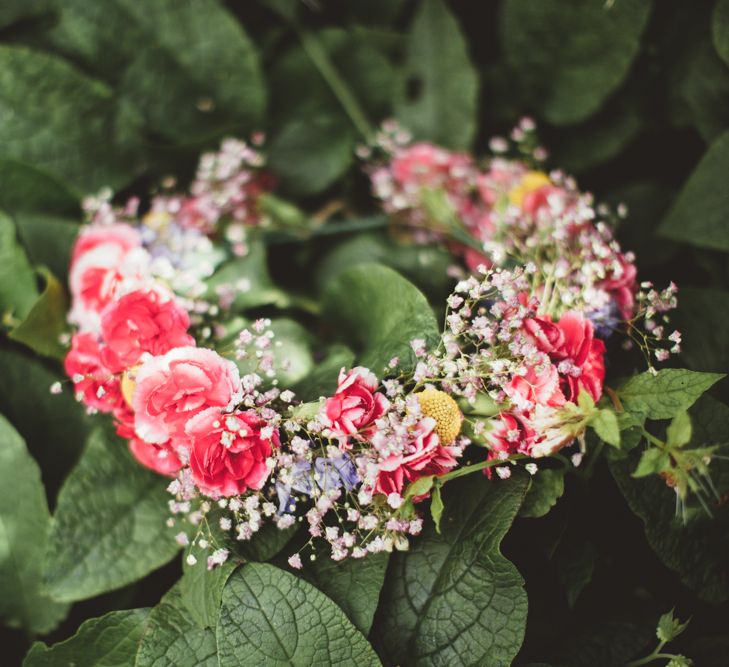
point(142, 321)
point(178, 385)
point(538, 386)
point(229, 452)
point(425, 456)
point(95, 271)
point(509, 434)
point(93, 381)
point(427, 165)
point(580, 358)
point(160, 458)
point(622, 285)
point(355, 405)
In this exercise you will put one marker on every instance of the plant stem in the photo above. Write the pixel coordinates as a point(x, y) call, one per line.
point(461, 472)
point(652, 438)
point(339, 87)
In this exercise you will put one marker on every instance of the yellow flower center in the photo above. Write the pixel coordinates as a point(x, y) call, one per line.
point(441, 407)
point(128, 384)
point(531, 181)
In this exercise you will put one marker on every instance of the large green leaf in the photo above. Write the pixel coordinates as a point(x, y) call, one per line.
point(172, 636)
point(454, 598)
point(664, 395)
point(545, 490)
point(27, 188)
point(200, 591)
point(57, 120)
point(353, 584)
point(15, 10)
point(109, 528)
point(720, 29)
point(187, 66)
point(703, 319)
point(271, 617)
point(571, 55)
point(383, 312)
point(24, 524)
point(322, 380)
point(438, 94)
point(48, 240)
point(18, 290)
point(698, 216)
point(699, 550)
point(108, 641)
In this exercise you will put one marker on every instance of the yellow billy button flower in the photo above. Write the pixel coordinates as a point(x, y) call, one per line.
point(128, 384)
point(441, 407)
point(531, 181)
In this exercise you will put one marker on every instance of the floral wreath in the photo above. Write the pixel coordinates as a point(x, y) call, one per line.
point(515, 378)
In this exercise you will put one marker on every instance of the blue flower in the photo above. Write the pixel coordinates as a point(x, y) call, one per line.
point(301, 475)
point(335, 472)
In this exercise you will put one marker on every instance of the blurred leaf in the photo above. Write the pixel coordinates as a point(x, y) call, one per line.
point(42, 327)
point(15, 10)
point(606, 426)
point(698, 216)
point(121, 534)
point(426, 266)
point(572, 55)
point(664, 395)
point(322, 380)
point(27, 188)
point(268, 542)
point(24, 524)
point(384, 312)
point(703, 319)
point(310, 153)
point(248, 276)
point(171, 636)
point(54, 426)
point(652, 461)
point(438, 91)
point(545, 490)
point(110, 640)
point(720, 29)
point(48, 240)
point(575, 560)
point(18, 290)
point(354, 584)
point(454, 598)
point(200, 590)
point(55, 119)
point(679, 430)
point(609, 644)
point(188, 67)
point(271, 616)
point(698, 551)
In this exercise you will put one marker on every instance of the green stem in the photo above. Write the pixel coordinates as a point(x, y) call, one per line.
point(339, 87)
point(652, 438)
point(462, 472)
point(650, 658)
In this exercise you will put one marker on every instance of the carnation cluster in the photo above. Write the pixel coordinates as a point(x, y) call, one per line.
point(517, 373)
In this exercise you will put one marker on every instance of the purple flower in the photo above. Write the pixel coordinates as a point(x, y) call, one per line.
point(335, 472)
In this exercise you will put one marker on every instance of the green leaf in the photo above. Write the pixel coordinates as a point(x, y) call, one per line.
point(664, 395)
point(419, 487)
point(572, 55)
point(269, 616)
point(382, 311)
point(188, 78)
point(15, 10)
point(720, 29)
point(42, 327)
point(59, 121)
point(54, 426)
point(48, 240)
point(545, 490)
point(250, 278)
point(18, 290)
point(703, 320)
point(438, 93)
point(121, 534)
point(266, 543)
point(353, 584)
point(698, 550)
point(322, 380)
point(110, 640)
point(310, 153)
point(669, 627)
point(200, 591)
point(172, 636)
point(575, 560)
point(436, 507)
point(453, 598)
point(426, 266)
point(605, 423)
point(24, 524)
point(605, 644)
point(653, 461)
point(27, 188)
point(679, 430)
point(698, 216)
